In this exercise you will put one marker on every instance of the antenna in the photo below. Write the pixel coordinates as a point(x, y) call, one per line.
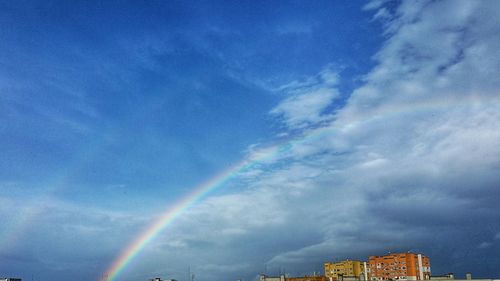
point(190, 275)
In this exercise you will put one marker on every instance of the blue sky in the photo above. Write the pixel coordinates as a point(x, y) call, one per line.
point(120, 85)
point(113, 111)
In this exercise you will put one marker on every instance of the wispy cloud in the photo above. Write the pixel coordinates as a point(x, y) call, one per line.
point(410, 156)
point(408, 162)
point(308, 100)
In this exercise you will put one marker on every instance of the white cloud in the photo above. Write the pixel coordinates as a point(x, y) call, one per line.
point(85, 236)
point(375, 4)
point(305, 109)
point(308, 100)
point(412, 155)
point(484, 245)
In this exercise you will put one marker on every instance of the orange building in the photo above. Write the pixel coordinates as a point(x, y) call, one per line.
point(400, 266)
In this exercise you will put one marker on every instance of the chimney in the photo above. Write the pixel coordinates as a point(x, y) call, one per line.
point(451, 276)
point(468, 276)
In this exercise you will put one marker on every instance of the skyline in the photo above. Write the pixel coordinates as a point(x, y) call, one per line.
point(140, 139)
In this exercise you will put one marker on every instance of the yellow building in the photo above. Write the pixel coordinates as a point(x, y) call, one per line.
point(347, 268)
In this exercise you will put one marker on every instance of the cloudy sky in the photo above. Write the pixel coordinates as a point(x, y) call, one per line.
point(366, 128)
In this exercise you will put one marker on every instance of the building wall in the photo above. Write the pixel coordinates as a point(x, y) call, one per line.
point(306, 278)
point(351, 268)
point(400, 266)
point(284, 278)
point(263, 277)
point(451, 277)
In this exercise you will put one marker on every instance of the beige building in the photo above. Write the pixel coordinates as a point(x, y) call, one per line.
point(347, 269)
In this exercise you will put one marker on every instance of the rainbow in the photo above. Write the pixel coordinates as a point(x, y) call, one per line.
point(195, 196)
point(261, 155)
point(171, 214)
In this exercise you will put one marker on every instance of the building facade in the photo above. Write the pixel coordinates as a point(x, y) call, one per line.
point(264, 277)
point(451, 277)
point(306, 278)
point(287, 278)
point(400, 266)
point(346, 269)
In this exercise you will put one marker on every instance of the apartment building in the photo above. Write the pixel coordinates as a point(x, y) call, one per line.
point(400, 266)
point(348, 268)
